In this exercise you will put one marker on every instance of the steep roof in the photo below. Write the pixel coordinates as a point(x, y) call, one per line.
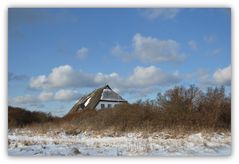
point(91, 100)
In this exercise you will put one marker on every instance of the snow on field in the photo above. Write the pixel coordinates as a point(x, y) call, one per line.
point(26, 143)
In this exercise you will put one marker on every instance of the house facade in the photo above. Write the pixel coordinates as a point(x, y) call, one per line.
point(100, 98)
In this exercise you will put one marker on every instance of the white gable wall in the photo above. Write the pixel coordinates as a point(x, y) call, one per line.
point(106, 103)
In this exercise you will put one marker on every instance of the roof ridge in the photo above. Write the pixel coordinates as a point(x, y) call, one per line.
point(106, 86)
point(95, 96)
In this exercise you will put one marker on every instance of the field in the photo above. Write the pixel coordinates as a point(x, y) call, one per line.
point(181, 122)
point(26, 143)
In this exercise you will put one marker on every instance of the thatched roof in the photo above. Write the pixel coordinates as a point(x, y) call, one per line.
point(91, 100)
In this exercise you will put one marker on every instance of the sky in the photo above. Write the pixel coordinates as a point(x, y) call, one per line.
point(57, 55)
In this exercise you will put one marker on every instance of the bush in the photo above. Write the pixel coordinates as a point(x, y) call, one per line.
point(18, 117)
point(180, 107)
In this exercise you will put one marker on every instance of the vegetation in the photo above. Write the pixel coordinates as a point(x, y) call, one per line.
point(18, 117)
point(178, 108)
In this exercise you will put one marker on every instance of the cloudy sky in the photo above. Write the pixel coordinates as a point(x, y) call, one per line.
point(58, 55)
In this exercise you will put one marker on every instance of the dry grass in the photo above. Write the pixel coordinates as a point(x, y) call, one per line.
point(177, 110)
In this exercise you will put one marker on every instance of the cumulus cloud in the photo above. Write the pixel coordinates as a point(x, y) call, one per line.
point(25, 99)
point(148, 76)
point(65, 95)
point(66, 77)
point(62, 76)
point(192, 44)
point(82, 53)
point(222, 76)
point(142, 80)
point(101, 78)
point(202, 77)
point(44, 96)
point(163, 13)
point(151, 50)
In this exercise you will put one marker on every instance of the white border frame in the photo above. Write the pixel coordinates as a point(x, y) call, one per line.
point(233, 4)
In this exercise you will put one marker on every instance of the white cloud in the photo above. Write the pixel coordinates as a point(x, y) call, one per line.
point(141, 81)
point(148, 76)
point(82, 52)
point(163, 13)
point(62, 76)
point(141, 77)
point(223, 76)
point(38, 82)
point(26, 99)
point(101, 78)
point(152, 50)
point(202, 77)
point(65, 95)
point(192, 44)
point(45, 96)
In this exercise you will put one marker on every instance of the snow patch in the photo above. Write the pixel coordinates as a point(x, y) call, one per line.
point(132, 144)
point(87, 102)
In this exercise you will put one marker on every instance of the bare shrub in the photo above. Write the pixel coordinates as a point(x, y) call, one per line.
point(177, 109)
point(18, 117)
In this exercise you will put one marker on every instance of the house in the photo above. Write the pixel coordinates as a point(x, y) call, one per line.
point(100, 98)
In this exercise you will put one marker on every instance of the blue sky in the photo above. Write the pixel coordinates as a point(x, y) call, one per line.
point(58, 55)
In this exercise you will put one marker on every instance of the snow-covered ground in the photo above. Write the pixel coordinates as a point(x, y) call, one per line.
point(26, 143)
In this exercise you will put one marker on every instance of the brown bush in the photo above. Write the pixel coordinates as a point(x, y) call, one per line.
point(179, 108)
point(18, 117)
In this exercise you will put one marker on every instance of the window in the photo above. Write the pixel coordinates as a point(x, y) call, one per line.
point(109, 105)
point(102, 106)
